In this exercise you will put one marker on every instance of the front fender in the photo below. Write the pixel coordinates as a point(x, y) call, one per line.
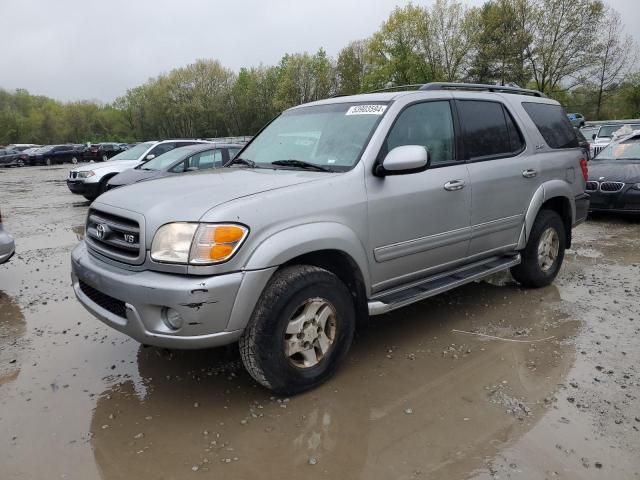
point(287, 244)
point(545, 192)
point(284, 246)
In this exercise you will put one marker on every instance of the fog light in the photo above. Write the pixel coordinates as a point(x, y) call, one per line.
point(172, 318)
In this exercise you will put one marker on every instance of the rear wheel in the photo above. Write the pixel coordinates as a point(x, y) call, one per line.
point(47, 161)
point(74, 160)
point(104, 158)
point(544, 253)
point(300, 330)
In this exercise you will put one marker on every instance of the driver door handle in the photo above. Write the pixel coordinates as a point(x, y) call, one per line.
point(453, 185)
point(529, 173)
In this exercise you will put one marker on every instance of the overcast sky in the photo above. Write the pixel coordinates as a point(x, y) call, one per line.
point(96, 49)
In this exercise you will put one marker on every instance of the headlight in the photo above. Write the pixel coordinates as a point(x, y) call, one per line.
point(197, 244)
point(87, 174)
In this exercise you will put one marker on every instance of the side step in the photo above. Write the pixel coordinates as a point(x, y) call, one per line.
point(400, 297)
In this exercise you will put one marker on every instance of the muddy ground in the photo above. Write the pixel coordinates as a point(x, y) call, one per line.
point(549, 389)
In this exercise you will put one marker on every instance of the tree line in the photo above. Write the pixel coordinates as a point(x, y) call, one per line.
point(575, 51)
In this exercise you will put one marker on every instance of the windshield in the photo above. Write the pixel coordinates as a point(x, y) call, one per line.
point(332, 136)
point(133, 153)
point(165, 160)
point(626, 150)
point(608, 130)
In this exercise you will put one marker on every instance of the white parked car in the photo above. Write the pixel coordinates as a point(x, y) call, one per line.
point(91, 180)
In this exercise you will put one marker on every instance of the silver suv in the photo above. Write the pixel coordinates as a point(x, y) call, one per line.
point(339, 209)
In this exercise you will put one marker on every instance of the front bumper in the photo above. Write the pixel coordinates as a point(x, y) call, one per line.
point(626, 200)
point(133, 302)
point(83, 188)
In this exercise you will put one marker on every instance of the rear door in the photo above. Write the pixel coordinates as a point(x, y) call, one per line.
point(504, 174)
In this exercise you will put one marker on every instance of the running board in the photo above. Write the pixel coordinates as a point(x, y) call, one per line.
point(406, 295)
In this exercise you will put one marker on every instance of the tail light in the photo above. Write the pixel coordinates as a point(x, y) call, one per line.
point(585, 169)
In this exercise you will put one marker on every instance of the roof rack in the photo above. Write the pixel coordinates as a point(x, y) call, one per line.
point(481, 87)
point(478, 87)
point(412, 86)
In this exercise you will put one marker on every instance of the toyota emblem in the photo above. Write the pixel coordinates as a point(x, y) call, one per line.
point(101, 231)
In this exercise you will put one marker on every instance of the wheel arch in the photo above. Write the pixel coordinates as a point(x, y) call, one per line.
point(554, 195)
point(328, 245)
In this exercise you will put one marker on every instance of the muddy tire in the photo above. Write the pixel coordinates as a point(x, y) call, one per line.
point(544, 253)
point(300, 330)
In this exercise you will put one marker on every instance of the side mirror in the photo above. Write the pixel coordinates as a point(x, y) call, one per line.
point(151, 156)
point(594, 136)
point(404, 160)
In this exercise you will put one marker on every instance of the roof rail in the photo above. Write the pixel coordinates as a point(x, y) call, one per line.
point(412, 86)
point(481, 87)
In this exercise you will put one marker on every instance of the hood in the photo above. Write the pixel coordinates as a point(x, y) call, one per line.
point(132, 176)
point(187, 198)
point(615, 171)
point(108, 164)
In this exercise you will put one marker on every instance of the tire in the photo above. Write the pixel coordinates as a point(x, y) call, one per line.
point(47, 161)
point(104, 158)
point(533, 272)
point(20, 163)
point(74, 160)
point(90, 198)
point(291, 292)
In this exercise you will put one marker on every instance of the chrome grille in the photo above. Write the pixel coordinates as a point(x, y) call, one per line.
point(115, 236)
point(592, 186)
point(73, 175)
point(611, 186)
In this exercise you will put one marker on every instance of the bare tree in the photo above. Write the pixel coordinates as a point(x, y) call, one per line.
point(615, 59)
point(563, 41)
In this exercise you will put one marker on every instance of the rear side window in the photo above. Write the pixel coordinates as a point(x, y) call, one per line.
point(489, 130)
point(553, 124)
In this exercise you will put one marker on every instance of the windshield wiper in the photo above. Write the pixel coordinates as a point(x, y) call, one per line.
point(301, 164)
point(242, 161)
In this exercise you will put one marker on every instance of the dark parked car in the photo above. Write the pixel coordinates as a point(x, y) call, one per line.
point(101, 152)
point(52, 154)
point(614, 177)
point(10, 158)
point(185, 159)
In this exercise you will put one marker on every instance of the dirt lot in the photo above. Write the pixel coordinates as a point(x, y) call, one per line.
point(549, 389)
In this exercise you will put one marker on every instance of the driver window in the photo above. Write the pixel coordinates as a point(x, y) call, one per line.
point(429, 124)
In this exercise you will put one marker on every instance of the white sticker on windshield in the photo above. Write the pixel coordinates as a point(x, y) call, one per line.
point(366, 110)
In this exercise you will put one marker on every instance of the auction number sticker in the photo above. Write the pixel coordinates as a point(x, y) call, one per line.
point(366, 110)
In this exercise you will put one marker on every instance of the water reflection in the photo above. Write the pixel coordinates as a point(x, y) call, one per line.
point(12, 329)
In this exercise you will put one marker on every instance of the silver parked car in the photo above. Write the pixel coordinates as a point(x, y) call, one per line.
point(339, 209)
point(7, 245)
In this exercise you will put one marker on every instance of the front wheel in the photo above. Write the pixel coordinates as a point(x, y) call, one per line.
point(74, 160)
point(47, 161)
point(300, 330)
point(543, 255)
point(104, 158)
